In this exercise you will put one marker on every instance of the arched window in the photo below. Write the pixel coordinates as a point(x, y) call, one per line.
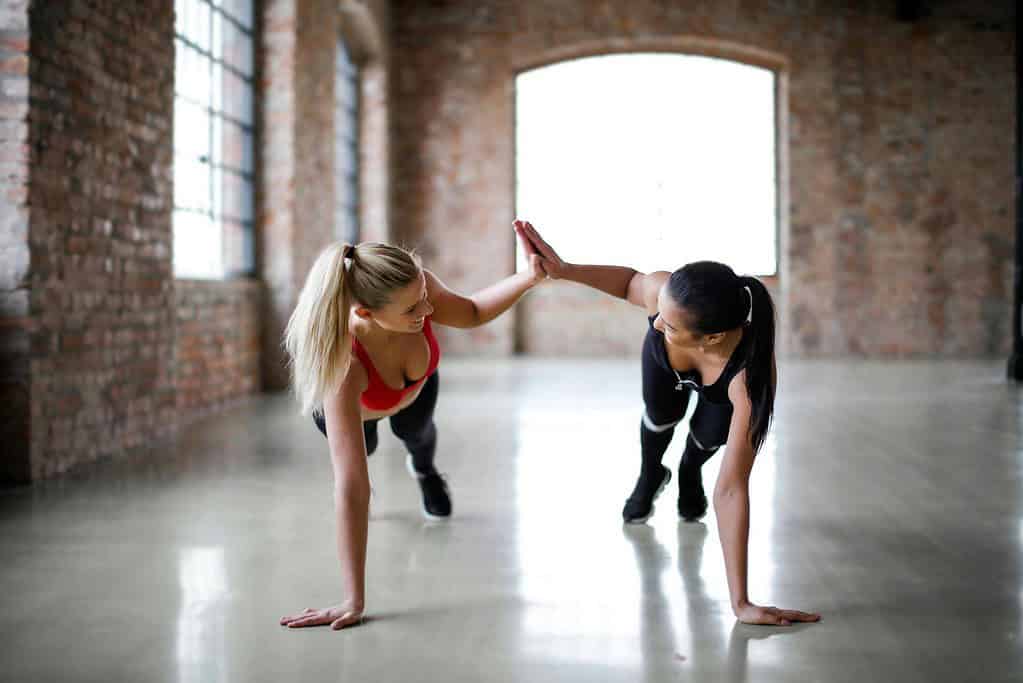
point(213, 138)
point(650, 160)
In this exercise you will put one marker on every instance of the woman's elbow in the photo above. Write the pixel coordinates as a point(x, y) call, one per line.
point(351, 492)
point(729, 491)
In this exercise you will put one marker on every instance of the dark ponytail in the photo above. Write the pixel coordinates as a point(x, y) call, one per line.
point(715, 299)
point(759, 360)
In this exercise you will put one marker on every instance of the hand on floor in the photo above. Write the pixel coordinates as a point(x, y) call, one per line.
point(755, 614)
point(339, 616)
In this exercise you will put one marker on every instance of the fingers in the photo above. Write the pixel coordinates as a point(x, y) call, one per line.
point(527, 244)
point(323, 617)
point(536, 264)
point(533, 237)
point(308, 617)
point(317, 619)
point(294, 617)
point(786, 617)
point(796, 615)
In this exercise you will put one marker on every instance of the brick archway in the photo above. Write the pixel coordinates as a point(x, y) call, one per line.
point(702, 47)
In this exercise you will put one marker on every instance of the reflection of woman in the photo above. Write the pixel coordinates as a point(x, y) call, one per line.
point(362, 348)
point(704, 322)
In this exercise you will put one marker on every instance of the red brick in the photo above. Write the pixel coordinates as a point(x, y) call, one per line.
point(854, 96)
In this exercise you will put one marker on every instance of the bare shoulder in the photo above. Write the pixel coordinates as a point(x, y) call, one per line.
point(341, 406)
point(738, 394)
point(449, 307)
point(355, 381)
point(644, 288)
point(656, 279)
point(434, 285)
point(432, 281)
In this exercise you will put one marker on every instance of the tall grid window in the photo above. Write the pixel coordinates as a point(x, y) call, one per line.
point(346, 146)
point(213, 138)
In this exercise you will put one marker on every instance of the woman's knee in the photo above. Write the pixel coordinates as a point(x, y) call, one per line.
point(415, 434)
point(369, 431)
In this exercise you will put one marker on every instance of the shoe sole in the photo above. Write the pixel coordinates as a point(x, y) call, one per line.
point(664, 485)
point(696, 518)
point(692, 519)
point(422, 507)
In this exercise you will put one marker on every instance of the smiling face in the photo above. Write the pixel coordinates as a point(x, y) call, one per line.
point(405, 312)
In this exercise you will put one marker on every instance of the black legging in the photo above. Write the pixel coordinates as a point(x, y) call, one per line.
point(666, 406)
point(413, 424)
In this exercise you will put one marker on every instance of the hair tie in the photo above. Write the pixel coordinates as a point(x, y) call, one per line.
point(349, 251)
point(749, 318)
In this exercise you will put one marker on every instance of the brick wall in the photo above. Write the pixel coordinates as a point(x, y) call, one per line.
point(100, 234)
point(102, 352)
point(898, 237)
point(277, 162)
point(315, 60)
point(375, 162)
point(217, 343)
point(297, 190)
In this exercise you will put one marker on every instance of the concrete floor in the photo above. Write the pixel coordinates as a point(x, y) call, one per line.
point(889, 498)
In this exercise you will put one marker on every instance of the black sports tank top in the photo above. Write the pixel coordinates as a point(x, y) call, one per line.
point(716, 392)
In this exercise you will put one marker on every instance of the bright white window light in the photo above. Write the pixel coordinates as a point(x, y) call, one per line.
point(650, 161)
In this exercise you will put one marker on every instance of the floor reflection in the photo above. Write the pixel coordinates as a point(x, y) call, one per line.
point(202, 617)
point(665, 609)
point(889, 498)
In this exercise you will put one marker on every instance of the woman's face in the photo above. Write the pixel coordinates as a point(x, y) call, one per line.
point(671, 322)
point(406, 310)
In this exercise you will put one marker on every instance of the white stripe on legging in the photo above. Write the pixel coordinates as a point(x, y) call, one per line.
point(649, 424)
point(701, 446)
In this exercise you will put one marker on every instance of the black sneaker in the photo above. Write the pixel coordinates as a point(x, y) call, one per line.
point(640, 504)
point(436, 501)
point(692, 501)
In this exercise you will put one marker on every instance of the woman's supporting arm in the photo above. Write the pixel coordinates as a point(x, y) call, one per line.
point(343, 417)
point(731, 505)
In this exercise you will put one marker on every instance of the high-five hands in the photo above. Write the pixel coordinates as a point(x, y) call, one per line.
point(536, 269)
point(538, 251)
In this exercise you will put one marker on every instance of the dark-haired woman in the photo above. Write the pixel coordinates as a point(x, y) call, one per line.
point(711, 332)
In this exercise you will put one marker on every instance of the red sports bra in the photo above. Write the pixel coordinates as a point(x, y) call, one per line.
point(380, 396)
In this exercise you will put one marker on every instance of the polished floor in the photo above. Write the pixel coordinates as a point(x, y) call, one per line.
point(889, 498)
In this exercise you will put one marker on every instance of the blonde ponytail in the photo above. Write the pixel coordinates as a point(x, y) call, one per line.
point(317, 337)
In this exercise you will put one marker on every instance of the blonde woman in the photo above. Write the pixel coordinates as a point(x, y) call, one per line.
point(362, 348)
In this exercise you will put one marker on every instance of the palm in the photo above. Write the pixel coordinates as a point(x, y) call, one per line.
point(536, 269)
